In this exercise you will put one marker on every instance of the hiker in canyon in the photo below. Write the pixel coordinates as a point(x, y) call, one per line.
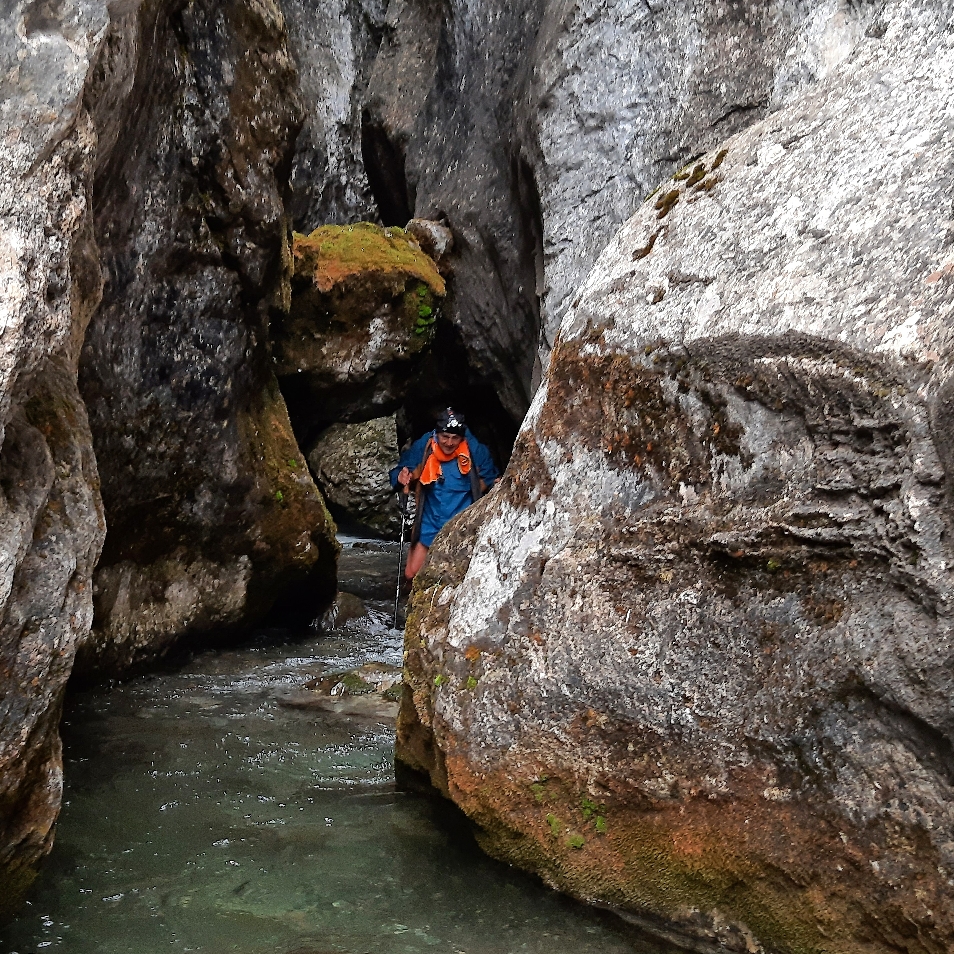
point(449, 469)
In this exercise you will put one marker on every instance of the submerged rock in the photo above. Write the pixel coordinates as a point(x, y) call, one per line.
point(363, 310)
point(51, 517)
point(693, 658)
point(351, 463)
point(210, 507)
point(372, 691)
point(346, 607)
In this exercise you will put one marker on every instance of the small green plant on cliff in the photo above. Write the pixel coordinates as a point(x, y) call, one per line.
point(279, 497)
point(574, 841)
point(293, 463)
point(588, 807)
point(592, 812)
point(471, 682)
point(556, 826)
point(425, 318)
point(539, 791)
point(439, 680)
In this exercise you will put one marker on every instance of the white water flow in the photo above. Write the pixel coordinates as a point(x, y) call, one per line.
point(202, 813)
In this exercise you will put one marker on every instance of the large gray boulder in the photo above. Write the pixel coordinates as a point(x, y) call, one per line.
point(351, 464)
point(537, 128)
point(51, 517)
point(693, 659)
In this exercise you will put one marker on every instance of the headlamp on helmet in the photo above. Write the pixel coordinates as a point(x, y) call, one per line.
point(450, 422)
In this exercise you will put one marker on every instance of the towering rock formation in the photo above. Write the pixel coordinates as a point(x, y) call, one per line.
point(694, 658)
point(209, 503)
point(51, 518)
point(144, 149)
point(537, 128)
point(334, 44)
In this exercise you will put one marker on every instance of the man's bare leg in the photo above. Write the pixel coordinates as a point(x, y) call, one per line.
point(415, 560)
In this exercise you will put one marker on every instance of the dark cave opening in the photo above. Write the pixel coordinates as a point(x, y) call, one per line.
point(442, 378)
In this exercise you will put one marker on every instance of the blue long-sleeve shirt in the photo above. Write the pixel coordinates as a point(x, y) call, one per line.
point(451, 494)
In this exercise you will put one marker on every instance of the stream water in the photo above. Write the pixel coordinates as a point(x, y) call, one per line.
point(204, 812)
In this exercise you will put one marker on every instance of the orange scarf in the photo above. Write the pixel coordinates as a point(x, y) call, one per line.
point(432, 466)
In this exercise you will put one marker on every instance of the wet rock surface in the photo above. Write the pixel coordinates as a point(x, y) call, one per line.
point(346, 607)
point(371, 691)
point(210, 507)
point(51, 519)
point(351, 463)
point(693, 657)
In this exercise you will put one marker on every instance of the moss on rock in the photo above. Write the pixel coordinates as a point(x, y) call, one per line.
point(336, 254)
point(365, 307)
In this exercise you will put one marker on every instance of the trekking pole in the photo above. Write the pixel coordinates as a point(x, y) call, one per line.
point(402, 500)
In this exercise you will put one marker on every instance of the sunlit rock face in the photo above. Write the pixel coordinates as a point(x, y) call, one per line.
point(538, 128)
point(693, 658)
point(51, 519)
point(209, 504)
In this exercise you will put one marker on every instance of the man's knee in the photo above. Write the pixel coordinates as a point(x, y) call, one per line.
point(415, 560)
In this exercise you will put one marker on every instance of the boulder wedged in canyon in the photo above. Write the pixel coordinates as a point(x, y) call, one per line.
point(210, 508)
point(364, 310)
point(693, 658)
point(51, 517)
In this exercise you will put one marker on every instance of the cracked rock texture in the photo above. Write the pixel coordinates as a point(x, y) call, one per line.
point(693, 658)
point(334, 44)
point(537, 128)
point(51, 518)
point(210, 508)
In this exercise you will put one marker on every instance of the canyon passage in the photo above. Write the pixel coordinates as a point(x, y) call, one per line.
point(688, 270)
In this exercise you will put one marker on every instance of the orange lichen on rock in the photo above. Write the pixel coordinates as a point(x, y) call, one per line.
point(335, 253)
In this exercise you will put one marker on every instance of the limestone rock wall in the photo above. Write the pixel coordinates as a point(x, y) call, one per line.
point(51, 518)
point(334, 45)
point(537, 128)
point(145, 150)
point(209, 504)
point(693, 658)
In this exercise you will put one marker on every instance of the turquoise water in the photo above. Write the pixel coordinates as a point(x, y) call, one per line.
point(203, 814)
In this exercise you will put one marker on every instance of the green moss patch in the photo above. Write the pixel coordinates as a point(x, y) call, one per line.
point(334, 253)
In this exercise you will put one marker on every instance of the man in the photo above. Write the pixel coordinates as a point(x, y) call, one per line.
point(450, 469)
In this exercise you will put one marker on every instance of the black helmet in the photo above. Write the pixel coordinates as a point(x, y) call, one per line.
point(450, 422)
